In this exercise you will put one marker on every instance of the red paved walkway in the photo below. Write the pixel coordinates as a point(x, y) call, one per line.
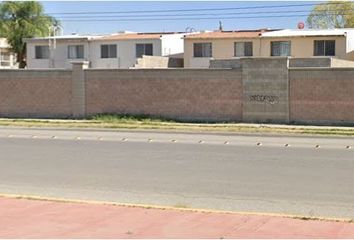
point(21, 218)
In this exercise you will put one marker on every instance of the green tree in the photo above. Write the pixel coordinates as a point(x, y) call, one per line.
point(333, 14)
point(19, 20)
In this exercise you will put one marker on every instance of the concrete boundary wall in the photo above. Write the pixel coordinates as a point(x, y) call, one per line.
point(265, 90)
point(184, 94)
point(321, 62)
point(35, 93)
point(158, 62)
point(259, 90)
point(322, 96)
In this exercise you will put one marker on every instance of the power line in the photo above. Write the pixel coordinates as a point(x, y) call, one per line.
point(198, 14)
point(118, 18)
point(169, 15)
point(179, 19)
point(192, 10)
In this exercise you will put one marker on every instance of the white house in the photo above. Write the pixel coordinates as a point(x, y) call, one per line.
point(57, 52)
point(7, 57)
point(119, 50)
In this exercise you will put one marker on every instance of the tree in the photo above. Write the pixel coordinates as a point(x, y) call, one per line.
point(23, 19)
point(333, 14)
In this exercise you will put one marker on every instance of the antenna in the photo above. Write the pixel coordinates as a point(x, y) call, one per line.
point(54, 31)
point(190, 29)
point(220, 26)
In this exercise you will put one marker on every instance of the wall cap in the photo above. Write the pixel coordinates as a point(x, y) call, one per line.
point(79, 62)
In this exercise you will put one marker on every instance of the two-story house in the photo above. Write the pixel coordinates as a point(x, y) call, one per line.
point(119, 50)
point(300, 43)
point(57, 52)
point(199, 49)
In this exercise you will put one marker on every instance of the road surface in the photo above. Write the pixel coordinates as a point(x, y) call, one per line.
point(276, 174)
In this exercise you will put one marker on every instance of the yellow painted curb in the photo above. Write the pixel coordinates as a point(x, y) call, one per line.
point(160, 207)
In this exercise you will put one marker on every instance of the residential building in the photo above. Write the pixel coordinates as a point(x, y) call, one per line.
point(200, 48)
point(296, 43)
point(7, 57)
point(57, 52)
point(123, 50)
point(300, 43)
point(119, 50)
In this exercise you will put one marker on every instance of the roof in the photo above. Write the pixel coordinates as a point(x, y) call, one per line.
point(117, 36)
point(65, 37)
point(308, 32)
point(135, 36)
point(226, 34)
point(130, 36)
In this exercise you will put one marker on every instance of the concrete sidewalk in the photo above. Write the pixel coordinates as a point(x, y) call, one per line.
point(22, 218)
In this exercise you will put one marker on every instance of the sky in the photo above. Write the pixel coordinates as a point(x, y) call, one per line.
point(58, 9)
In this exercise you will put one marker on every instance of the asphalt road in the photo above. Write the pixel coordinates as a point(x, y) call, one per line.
point(296, 175)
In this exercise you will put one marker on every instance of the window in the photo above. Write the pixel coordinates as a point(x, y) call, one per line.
point(5, 56)
point(202, 49)
point(143, 49)
point(280, 48)
point(42, 52)
point(324, 48)
point(75, 51)
point(5, 64)
point(5, 59)
point(243, 49)
point(109, 51)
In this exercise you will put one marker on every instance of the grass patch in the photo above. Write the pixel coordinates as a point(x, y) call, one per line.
point(114, 118)
point(113, 121)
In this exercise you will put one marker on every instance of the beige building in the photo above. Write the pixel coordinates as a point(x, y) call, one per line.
point(7, 57)
point(199, 49)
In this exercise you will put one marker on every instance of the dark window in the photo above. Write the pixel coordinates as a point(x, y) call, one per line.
point(41, 52)
point(280, 48)
point(109, 51)
point(243, 49)
point(330, 48)
point(319, 49)
point(202, 49)
point(5, 59)
point(324, 48)
point(75, 51)
point(144, 49)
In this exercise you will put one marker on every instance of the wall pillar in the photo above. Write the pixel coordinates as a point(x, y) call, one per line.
point(78, 89)
point(265, 89)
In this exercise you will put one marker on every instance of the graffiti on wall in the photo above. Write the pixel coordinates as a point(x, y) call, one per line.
point(268, 99)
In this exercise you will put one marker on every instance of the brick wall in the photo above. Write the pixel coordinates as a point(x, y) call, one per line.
point(35, 93)
point(209, 95)
point(322, 95)
point(256, 92)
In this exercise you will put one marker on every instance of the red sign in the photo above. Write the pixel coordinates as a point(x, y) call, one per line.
point(301, 25)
